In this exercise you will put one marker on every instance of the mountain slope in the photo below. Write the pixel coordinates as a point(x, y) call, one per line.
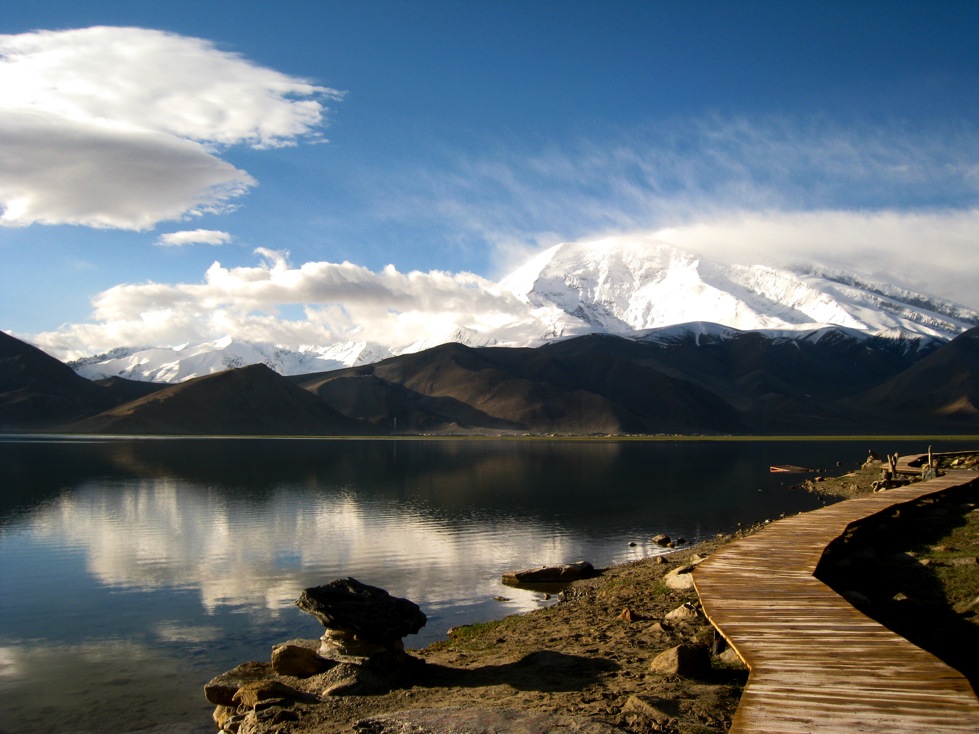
point(251, 400)
point(779, 383)
point(701, 378)
point(39, 392)
point(452, 388)
point(184, 362)
point(698, 378)
point(944, 386)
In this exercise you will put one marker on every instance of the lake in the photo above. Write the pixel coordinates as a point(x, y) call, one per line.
point(134, 570)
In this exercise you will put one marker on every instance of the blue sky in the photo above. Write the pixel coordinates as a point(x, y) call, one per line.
point(147, 141)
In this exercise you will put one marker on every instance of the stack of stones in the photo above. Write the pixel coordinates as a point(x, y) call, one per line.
point(363, 623)
point(361, 652)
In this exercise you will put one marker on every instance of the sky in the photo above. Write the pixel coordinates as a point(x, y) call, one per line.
point(314, 170)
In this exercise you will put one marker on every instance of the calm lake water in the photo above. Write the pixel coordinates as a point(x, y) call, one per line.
point(133, 571)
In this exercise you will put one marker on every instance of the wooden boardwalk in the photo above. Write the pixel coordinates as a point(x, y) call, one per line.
point(816, 663)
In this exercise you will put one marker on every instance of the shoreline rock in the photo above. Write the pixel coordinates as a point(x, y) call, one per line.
point(518, 664)
point(560, 574)
point(361, 621)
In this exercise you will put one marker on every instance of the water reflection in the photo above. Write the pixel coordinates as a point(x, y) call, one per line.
point(168, 533)
point(98, 686)
point(187, 555)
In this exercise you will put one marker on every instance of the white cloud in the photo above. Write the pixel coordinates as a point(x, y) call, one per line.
point(54, 172)
point(885, 200)
point(194, 237)
point(338, 300)
point(120, 127)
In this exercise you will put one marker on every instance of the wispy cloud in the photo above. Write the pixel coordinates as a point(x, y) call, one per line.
point(122, 127)
point(868, 198)
point(684, 171)
point(931, 251)
point(194, 237)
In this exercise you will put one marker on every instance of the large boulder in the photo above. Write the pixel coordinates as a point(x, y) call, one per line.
point(353, 612)
point(562, 573)
point(684, 613)
point(729, 657)
point(257, 691)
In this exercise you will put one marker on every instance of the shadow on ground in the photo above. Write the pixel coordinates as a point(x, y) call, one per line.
point(878, 567)
point(546, 671)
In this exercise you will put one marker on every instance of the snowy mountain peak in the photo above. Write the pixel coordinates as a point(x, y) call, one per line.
point(460, 335)
point(623, 285)
point(606, 284)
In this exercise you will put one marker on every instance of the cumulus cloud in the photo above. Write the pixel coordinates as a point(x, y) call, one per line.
point(121, 127)
point(338, 301)
point(194, 237)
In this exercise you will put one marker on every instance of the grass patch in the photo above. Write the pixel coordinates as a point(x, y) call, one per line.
point(917, 574)
point(472, 637)
point(952, 561)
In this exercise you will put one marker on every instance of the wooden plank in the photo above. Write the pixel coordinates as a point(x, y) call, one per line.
point(816, 663)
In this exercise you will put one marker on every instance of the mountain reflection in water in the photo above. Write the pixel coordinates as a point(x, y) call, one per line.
point(188, 554)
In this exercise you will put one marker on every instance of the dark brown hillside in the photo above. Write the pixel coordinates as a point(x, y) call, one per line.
point(124, 390)
point(624, 372)
point(39, 392)
point(790, 385)
point(393, 407)
point(453, 389)
point(833, 381)
point(604, 384)
point(250, 400)
point(490, 382)
point(944, 386)
point(598, 385)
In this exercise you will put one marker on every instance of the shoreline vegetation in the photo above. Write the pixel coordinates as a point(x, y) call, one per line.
point(596, 659)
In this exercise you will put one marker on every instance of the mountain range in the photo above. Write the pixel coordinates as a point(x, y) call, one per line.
point(616, 337)
point(696, 378)
point(621, 286)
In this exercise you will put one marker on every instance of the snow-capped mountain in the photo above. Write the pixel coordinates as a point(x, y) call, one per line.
point(176, 364)
point(622, 286)
point(461, 335)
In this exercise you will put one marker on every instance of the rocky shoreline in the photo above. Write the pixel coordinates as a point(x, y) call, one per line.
point(627, 650)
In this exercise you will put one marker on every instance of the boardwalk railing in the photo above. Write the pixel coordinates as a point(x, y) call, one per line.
point(816, 663)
